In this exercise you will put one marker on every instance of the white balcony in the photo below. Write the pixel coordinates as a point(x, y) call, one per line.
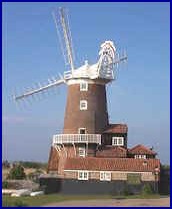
point(76, 138)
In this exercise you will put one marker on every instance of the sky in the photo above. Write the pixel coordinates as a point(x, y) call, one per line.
point(140, 96)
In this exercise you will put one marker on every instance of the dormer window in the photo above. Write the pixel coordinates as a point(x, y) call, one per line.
point(118, 141)
point(140, 156)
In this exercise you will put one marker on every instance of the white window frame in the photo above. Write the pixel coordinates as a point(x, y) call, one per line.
point(101, 176)
point(84, 86)
point(116, 141)
point(82, 151)
point(140, 156)
point(105, 176)
point(83, 104)
point(81, 129)
point(83, 175)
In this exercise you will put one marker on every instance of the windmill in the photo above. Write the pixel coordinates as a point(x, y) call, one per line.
point(86, 114)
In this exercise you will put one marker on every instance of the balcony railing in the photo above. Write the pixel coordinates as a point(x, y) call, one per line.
point(76, 138)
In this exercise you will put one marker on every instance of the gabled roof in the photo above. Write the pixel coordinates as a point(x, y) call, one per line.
point(140, 149)
point(116, 128)
point(112, 164)
point(112, 151)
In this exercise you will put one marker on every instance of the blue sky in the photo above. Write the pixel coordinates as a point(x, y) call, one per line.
point(32, 54)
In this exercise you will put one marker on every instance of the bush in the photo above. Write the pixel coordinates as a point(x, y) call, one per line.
point(34, 176)
point(5, 185)
point(17, 172)
point(126, 192)
point(147, 189)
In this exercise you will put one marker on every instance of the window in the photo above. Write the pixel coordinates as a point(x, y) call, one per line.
point(83, 105)
point(105, 176)
point(81, 151)
point(140, 156)
point(82, 130)
point(82, 175)
point(83, 86)
point(118, 141)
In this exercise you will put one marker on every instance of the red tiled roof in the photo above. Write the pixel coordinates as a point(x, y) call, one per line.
point(109, 164)
point(116, 128)
point(140, 149)
point(112, 151)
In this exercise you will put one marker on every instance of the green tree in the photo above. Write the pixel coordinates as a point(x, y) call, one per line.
point(5, 185)
point(147, 189)
point(17, 172)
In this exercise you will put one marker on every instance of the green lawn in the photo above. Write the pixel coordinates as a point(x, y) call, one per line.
point(46, 199)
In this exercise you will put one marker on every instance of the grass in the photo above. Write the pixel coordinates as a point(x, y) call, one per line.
point(52, 198)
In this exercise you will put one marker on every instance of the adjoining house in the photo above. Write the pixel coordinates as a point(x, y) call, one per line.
point(109, 167)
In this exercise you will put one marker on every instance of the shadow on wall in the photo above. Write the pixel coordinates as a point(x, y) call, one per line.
point(164, 185)
point(75, 187)
point(51, 185)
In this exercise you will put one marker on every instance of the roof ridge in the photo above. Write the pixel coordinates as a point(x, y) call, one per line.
point(114, 158)
point(143, 147)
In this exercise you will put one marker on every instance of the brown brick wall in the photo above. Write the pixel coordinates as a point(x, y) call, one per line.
point(119, 176)
point(91, 151)
point(147, 176)
point(71, 175)
point(107, 138)
point(62, 160)
point(73, 151)
point(57, 159)
point(70, 150)
point(95, 118)
point(94, 175)
point(53, 161)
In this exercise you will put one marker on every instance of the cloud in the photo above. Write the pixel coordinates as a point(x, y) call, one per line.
point(12, 119)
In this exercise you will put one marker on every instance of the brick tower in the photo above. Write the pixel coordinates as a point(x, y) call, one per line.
point(86, 109)
point(86, 115)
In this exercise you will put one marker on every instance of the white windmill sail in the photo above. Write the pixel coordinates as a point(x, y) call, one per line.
point(103, 69)
point(64, 34)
